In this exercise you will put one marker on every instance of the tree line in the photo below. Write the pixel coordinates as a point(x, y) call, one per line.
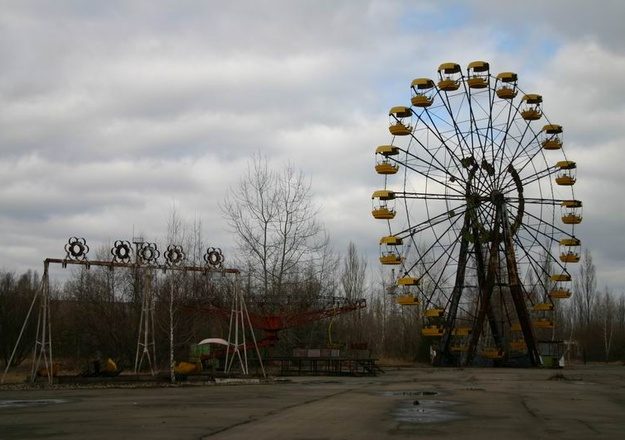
point(287, 264)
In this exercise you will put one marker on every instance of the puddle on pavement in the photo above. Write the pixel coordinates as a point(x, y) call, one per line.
point(29, 403)
point(416, 407)
point(426, 411)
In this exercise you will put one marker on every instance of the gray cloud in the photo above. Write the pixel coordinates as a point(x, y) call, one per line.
point(111, 112)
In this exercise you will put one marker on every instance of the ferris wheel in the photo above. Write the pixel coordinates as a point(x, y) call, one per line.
point(478, 198)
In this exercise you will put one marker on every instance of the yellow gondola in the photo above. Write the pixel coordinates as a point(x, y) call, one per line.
point(390, 258)
point(492, 353)
point(383, 213)
point(567, 177)
point(385, 167)
point(560, 294)
point(570, 212)
point(422, 92)
point(543, 323)
point(542, 307)
point(432, 331)
point(449, 77)
point(397, 124)
point(391, 240)
point(560, 277)
point(532, 110)
point(435, 312)
point(408, 281)
point(461, 331)
point(507, 90)
point(407, 300)
point(478, 75)
point(552, 139)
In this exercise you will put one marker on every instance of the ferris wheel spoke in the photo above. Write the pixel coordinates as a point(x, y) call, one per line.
point(529, 179)
point(453, 124)
point(473, 125)
point(441, 167)
point(429, 176)
point(500, 155)
point(551, 225)
point(439, 137)
point(539, 268)
point(430, 223)
point(424, 226)
point(440, 279)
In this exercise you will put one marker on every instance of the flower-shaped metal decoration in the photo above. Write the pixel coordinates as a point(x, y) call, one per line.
point(121, 251)
point(213, 257)
point(174, 255)
point(149, 253)
point(76, 249)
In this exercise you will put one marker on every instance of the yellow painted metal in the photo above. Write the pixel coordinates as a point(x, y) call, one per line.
point(570, 241)
point(560, 277)
point(552, 129)
point(400, 129)
point(565, 180)
point(383, 194)
point(387, 150)
point(435, 312)
point(560, 293)
point(448, 85)
point(571, 219)
point(432, 331)
point(477, 82)
point(390, 259)
point(422, 84)
point(492, 353)
point(531, 114)
point(386, 168)
point(391, 240)
point(187, 368)
point(421, 101)
point(552, 144)
point(383, 213)
point(569, 257)
point(459, 347)
point(478, 66)
point(506, 92)
point(515, 327)
point(543, 323)
point(532, 98)
point(407, 300)
point(461, 331)
point(542, 307)
point(408, 281)
point(572, 203)
point(507, 77)
point(400, 111)
point(566, 165)
point(449, 68)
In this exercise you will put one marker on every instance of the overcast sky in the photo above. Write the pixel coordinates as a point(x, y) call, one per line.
point(112, 112)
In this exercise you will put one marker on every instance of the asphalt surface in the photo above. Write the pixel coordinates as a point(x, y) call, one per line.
point(574, 403)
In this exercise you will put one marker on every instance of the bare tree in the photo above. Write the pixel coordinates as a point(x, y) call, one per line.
point(272, 214)
point(584, 301)
point(607, 315)
point(353, 274)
